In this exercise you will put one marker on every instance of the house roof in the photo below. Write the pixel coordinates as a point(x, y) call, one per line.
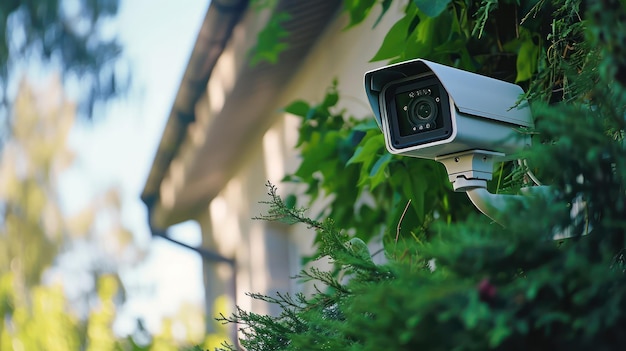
point(245, 111)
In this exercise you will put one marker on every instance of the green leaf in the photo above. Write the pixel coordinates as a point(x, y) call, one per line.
point(310, 114)
point(330, 99)
point(366, 153)
point(395, 40)
point(421, 41)
point(500, 332)
point(414, 22)
point(527, 58)
point(298, 108)
point(269, 44)
point(290, 201)
point(417, 197)
point(358, 10)
point(432, 8)
point(386, 4)
point(377, 173)
point(366, 125)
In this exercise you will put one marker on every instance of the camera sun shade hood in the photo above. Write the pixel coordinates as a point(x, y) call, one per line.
point(473, 94)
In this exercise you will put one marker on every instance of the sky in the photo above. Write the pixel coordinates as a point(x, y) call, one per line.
point(118, 149)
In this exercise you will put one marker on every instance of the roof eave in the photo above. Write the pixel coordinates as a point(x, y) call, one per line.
point(236, 126)
point(221, 17)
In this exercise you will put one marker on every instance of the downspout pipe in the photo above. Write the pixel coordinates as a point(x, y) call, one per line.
point(206, 254)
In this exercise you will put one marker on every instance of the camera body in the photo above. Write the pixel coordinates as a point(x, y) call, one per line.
point(429, 110)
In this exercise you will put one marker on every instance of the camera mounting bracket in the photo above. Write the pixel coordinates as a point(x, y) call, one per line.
point(470, 169)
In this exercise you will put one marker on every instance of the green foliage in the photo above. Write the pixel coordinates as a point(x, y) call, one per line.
point(564, 53)
point(358, 10)
point(430, 32)
point(34, 231)
point(608, 34)
point(346, 157)
point(290, 331)
point(340, 151)
point(490, 287)
point(30, 219)
point(474, 285)
point(37, 320)
point(432, 8)
point(272, 39)
point(270, 45)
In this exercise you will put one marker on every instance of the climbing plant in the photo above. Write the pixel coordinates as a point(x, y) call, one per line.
point(344, 158)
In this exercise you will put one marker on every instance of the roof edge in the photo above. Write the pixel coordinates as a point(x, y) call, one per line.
point(216, 30)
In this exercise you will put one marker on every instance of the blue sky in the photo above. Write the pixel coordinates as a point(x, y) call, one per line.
point(117, 151)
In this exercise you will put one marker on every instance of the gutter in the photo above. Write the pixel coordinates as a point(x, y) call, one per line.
point(262, 82)
point(221, 18)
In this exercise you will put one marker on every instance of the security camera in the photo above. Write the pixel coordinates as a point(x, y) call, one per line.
point(464, 120)
point(429, 110)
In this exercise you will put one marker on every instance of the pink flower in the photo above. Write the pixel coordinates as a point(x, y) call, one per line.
point(486, 290)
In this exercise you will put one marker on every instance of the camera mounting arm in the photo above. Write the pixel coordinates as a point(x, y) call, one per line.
point(469, 171)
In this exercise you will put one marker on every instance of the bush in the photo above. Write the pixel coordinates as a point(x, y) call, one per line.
point(473, 284)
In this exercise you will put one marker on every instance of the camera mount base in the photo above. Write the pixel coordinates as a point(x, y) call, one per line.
point(470, 169)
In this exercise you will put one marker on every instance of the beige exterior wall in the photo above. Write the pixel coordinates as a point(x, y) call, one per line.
point(268, 254)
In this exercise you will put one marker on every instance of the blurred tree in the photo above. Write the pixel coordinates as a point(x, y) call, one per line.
point(38, 239)
point(37, 320)
point(71, 37)
point(31, 223)
point(100, 335)
point(34, 231)
point(222, 332)
point(165, 340)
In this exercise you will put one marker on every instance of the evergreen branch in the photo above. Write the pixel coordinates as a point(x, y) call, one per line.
point(284, 301)
point(328, 278)
point(280, 212)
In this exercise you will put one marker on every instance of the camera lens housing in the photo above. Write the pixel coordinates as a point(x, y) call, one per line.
point(429, 110)
point(419, 111)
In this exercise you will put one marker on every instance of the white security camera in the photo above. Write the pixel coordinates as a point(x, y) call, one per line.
point(429, 110)
point(464, 120)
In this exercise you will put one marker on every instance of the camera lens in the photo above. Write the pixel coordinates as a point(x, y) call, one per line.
point(422, 109)
point(419, 111)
